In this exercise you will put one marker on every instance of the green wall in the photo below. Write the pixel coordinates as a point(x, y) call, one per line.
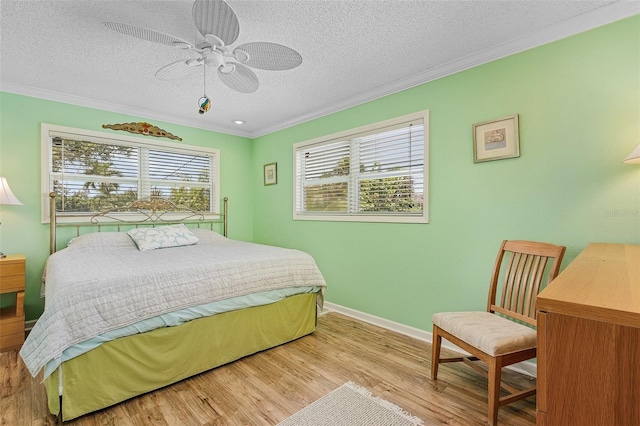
point(21, 230)
point(579, 106)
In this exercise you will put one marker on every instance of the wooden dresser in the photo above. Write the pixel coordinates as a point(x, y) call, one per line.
point(589, 340)
point(12, 280)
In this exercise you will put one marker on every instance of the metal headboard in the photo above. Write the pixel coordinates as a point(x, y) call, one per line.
point(147, 212)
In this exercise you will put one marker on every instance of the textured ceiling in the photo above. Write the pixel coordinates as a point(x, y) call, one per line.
point(352, 50)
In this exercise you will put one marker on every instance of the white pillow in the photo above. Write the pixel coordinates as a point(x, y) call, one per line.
point(162, 237)
point(207, 236)
point(101, 240)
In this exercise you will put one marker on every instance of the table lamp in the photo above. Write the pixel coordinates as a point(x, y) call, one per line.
point(7, 198)
point(634, 157)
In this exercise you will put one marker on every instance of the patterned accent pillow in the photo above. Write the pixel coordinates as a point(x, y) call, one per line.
point(162, 237)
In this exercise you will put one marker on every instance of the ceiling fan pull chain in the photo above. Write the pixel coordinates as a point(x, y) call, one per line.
point(204, 103)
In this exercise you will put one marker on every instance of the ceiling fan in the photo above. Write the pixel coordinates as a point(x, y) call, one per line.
point(217, 27)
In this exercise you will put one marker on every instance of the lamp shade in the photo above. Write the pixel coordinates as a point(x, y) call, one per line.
point(634, 157)
point(6, 196)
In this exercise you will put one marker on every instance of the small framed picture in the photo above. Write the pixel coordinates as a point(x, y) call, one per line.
point(271, 174)
point(496, 139)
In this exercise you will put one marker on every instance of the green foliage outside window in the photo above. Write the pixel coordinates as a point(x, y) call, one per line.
point(94, 177)
point(387, 194)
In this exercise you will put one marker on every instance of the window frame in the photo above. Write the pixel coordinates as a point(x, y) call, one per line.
point(48, 131)
point(349, 135)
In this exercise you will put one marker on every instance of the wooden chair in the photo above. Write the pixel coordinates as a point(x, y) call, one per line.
point(491, 337)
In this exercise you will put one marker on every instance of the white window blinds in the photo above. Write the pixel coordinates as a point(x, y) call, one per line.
point(92, 173)
point(373, 174)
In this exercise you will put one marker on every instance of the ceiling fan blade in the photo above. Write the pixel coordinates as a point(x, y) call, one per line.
point(215, 17)
point(178, 69)
point(149, 35)
point(267, 56)
point(240, 79)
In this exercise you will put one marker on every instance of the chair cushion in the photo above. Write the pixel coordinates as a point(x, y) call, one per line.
point(490, 333)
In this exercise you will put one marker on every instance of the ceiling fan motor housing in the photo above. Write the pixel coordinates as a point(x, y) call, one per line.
point(213, 58)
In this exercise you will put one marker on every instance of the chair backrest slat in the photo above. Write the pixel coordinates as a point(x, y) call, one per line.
point(526, 265)
point(509, 278)
point(535, 284)
point(520, 284)
point(528, 285)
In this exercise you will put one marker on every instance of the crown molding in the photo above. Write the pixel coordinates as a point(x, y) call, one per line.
point(612, 12)
point(121, 109)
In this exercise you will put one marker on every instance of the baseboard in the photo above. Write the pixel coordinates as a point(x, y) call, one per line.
point(28, 325)
point(527, 367)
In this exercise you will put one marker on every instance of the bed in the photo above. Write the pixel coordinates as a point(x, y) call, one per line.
point(123, 317)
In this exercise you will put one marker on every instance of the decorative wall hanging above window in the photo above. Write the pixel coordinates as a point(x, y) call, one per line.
point(142, 129)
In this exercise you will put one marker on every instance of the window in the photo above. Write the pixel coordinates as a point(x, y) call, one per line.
point(96, 171)
point(376, 173)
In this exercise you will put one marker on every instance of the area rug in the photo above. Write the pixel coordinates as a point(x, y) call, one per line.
point(351, 405)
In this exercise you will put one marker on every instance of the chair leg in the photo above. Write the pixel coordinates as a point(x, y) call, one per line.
point(435, 353)
point(494, 376)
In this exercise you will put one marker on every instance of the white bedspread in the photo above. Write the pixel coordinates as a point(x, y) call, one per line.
point(91, 291)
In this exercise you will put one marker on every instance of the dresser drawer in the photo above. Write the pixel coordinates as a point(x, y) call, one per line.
point(9, 322)
point(12, 273)
point(9, 268)
point(10, 284)
point(12, 280)
point(11, 341)
point(12, 327)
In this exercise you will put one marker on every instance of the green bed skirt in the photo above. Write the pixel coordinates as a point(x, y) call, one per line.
point(133, 365)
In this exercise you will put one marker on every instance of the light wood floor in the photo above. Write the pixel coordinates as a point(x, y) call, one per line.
point(265, 388)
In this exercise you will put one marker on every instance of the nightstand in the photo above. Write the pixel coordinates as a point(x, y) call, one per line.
point(12, 280)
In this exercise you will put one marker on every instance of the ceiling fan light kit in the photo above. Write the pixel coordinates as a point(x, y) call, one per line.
point(218, 27)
